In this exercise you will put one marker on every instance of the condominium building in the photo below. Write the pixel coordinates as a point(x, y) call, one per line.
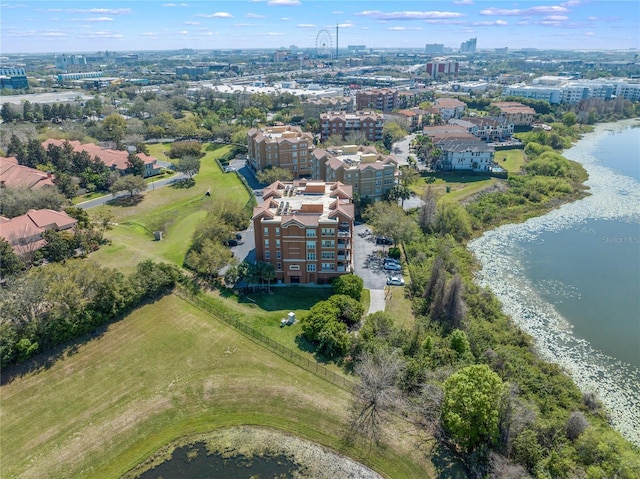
point(305, 230)
point(471, 154)
point(382, 99)
point(282, 147)
point(369, 173)
point(317, 106)
point(339, 123)
point(437, 68)
point(574, 91)
point(516, 113)
point(449, 107)
point(485, 128)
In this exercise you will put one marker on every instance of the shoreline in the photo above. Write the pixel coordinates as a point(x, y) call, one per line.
point(590, 369)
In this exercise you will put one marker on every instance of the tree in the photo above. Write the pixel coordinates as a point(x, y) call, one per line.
point(348, 284)
point(388, 219)
point(453, 219)
point(376, 395)
point(576, 424)
point(472, 406)
point(350, 310)
point(429, 210)
point(181, 149)
point(102, 220)
point(135, 165)
point(270, 175)
point(10, 262)
point(114, 127)
point(189, 165)
point(208, 259)
point(133, 184)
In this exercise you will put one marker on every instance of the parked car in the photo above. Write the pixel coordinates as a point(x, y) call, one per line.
point(231, 242)
point(238, 236)
point(383, 240)
point(392, 267)
point(229, 169)
point(392, 261)
point(395, 281)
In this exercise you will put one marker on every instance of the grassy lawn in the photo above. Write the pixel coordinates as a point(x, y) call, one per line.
point(514, 160)
point(460, 186)
point(172, 209)
point(399, 308)
point(165, 372)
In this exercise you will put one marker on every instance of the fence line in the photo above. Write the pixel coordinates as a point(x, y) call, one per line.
point(283, 351)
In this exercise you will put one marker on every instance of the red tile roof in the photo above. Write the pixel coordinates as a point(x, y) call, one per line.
point(29, 227)
point(17, 176)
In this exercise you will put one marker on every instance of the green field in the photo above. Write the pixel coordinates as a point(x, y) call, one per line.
point(172, 209)
point(460, 186)
point(514, 160)
point(165, 372)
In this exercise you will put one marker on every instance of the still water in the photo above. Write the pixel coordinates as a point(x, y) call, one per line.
point(571, 278)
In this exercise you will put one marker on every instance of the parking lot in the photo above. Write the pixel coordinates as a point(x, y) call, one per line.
point(369, 259)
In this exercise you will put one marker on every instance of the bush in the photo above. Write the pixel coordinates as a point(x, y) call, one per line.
point(349, 284)
point(180, 149)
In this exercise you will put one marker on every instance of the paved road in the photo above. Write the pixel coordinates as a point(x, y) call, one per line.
point(103, 200)
point(400, 149)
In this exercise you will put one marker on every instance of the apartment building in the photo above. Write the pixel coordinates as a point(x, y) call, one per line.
point(449, 107)
point(343, 124)
point(369, 173)
point(382, 99)
point(516, 113)
point(317, 106)
point(280, 147)
point(470, 154)
point(437, 68)
point(485, 128)
point(305, 230)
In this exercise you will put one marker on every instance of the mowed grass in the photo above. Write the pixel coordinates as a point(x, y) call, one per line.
point(460, 186)
point(514, 162)
point(174, 210)
point(165, 372)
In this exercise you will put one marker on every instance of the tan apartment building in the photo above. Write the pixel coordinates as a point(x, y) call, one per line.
point(280, 147)
point(343, 124)
point(369, 173)
point(382, 99)
point(305, 230)
point(516, 113)
point(317, 106)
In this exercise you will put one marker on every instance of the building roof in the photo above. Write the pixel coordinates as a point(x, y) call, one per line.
point(112, 158)
point(514, 107)
point(307, 203)
point(358, 115)
point(352, 157)
point(18, 176)
point(31, 225)
point(462, 145)
point(445, 132)
point(448, 103)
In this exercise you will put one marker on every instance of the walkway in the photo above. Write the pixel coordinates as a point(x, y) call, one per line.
point(376, 301)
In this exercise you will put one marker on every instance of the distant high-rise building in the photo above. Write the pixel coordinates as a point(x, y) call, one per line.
point(443, 67)
point(434, 48)
point(469, 46)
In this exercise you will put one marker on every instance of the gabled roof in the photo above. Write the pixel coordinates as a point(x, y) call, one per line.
point(18, 176)
point(112, 158)
point(28, 227)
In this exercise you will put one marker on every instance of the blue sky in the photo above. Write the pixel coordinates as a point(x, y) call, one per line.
point(86, 26)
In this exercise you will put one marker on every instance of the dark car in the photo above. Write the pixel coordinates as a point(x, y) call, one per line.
point(231, 242)
point(238, 236)
point(384, 240)
point(392, 267)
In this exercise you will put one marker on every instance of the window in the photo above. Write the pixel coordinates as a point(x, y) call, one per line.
point(279, 266)
point(266, 243)
point(267, 255)
point(328, 255)
point(311, 256)
point(277, 231)
point(294, 267)
point(328, 266)
point(311, 233)
point(328, 231)
point(278, 254)
point(328, 243)
point(277, 243)
point(311, 268)
point(311, 245)
point(266, 231)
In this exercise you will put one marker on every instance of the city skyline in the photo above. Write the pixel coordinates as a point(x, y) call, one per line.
point(74, 26)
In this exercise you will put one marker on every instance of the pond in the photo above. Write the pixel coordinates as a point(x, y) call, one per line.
point(248, 452)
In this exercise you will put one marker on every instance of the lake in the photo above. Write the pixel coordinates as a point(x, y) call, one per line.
point(571, 278)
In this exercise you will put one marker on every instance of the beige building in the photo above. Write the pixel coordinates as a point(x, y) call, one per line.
point(382, 99)
point(516, 113)
point(280, 147)
point(305, 230)
point(317, 106)
point(343, 124)
point(369, 173)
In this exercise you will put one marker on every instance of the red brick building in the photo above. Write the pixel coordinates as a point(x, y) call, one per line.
point(305, 230)
point(383, 99)
point(343, 124)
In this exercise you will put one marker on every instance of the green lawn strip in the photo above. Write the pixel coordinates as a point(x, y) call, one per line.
point(399, 308)
point(515, 160)
point(164, 372)
point(365, 300)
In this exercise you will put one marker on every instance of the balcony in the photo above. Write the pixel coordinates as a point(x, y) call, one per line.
point(344, 256)
point(344, 244)
point(344, 233)
point(343, 268)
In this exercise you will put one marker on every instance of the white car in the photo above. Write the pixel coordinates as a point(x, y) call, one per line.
point(395, 281)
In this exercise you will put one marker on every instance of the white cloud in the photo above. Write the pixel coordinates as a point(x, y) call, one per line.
point(93, 19)
point(488, 23)
point(243, 25)
point(593, 19)
point(254, 15)
point(274, 34)
point(463, 2)
point(286, 19)
point(402, 29)
point(541, 10)
point(346, 25)
point(184, 32)
point(103, 34)
point(337, 12)
point(556, 18)
point(149, 34)
point(215, 15)
point(283, 3)
point(305, 25)
point(105, 11)
point(191, 23)
point(54, 34)
point(408, 15)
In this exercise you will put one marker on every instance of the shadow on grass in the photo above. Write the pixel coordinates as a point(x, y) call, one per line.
point(47, 359)
point(447, 464)
point(184, 183)
point(289, 298)
point(308, 347)
point(466, 177)
point(126, 201)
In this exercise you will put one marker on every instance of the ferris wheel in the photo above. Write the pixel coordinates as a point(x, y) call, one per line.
point(324, 43)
